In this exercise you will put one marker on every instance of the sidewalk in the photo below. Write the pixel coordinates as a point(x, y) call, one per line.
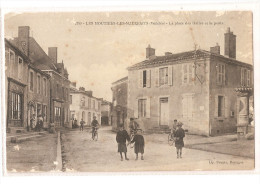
point(34, 155)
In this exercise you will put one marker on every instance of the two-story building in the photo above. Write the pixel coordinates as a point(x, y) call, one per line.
point(119, 103)
point(59, 82)
point(16, 70)
point(195, 87)
point(83, 105)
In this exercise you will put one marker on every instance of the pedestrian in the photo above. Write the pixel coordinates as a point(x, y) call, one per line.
point(81, 125)
point(33, 122)
point(179, 143)
point(94, 125)
point(121, 138)
point(174, 126)
point(139, 144)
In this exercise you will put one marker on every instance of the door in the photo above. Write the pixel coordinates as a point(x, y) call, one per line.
point(164, 111)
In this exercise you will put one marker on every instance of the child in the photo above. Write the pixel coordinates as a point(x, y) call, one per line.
point(179, 135)
point(139, 144)
point(121, 138)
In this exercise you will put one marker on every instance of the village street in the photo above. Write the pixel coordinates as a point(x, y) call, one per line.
point(82, 154)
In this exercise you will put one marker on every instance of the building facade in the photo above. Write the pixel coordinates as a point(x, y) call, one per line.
point(105, 112)
point(119, 103)
point(16, 70)
point(59, 84)
point(83, 105)
point(195, 87)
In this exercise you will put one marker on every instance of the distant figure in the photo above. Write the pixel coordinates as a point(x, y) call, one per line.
point(94, 125)
point(75, 123)
point(121, 138)
point(81, 125)
point(33, 122)
point(39, 123)
point(139, 144)
point(133, 125)
point(174, 126)
point(179, 135)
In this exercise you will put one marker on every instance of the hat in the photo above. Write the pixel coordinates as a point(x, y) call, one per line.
point(179, 124)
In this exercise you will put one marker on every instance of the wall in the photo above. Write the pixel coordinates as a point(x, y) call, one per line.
point(227, 123)
point(199, 122)
point(11, 71)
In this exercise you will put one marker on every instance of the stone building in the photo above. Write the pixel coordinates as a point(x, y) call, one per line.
point(119, 103)
point(195, 87)
point(105, 112)
point(83, 105)
point(59, 82)
point(16, 70)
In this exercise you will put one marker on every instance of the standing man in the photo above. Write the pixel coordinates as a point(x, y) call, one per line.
point(81, 125)
point(94, 125)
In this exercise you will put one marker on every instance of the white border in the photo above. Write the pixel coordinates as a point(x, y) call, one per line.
point(116, 5)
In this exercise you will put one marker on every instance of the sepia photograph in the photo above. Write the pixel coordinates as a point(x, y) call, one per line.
point(128, 91)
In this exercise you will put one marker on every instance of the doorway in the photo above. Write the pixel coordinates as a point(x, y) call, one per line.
point(164, 111)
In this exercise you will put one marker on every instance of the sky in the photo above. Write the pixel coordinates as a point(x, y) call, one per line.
point(97, 55)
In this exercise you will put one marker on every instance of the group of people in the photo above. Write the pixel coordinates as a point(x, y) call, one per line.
point(94, 125)
point(138, 139)
point(36, 124)
point(122, 136)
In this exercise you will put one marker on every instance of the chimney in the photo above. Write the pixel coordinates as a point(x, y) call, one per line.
point(74, 84)
point(23, 39)
point(215, 49)
point(230, 44)
point(81, 88)
point(89, 93)
point(168, 53)
point(149, 52)
point(52, 53)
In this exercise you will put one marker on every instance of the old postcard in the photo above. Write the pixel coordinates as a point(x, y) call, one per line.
point(129, 91)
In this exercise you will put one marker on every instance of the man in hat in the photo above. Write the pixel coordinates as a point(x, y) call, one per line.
point(179, 135)
point(94, 125)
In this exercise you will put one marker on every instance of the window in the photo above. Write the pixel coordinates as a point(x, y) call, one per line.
point(144, 78)
point(245, 77)
point(142, 108)
point(38, 84)
point(83, 101)
point(220, 106)
point(31, 81)
point(20, 68)
point(220, 74)
point(163, 76)
point(16, 106)
point(89, 102)
point(93, 104)
point(44, 113)
point(187, 106)
point(70, 99)
point(44, 86)
point(188, 73)
point(12, 57)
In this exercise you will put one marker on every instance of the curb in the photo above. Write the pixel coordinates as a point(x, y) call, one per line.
point(58, 158)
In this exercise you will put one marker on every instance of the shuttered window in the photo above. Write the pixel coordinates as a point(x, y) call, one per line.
point(221, 74)
point(188, 73)
point(31, 81)
point(163, 76)
point(144, 78)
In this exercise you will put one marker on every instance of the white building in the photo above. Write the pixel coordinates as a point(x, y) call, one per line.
point(83, 105)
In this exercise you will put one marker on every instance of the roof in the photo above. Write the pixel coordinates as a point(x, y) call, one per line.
point(121, 80)
point(178, 57)
point(26, 58)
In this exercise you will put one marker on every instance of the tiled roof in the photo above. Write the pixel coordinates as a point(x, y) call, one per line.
point(162, 60)
point(121, 80)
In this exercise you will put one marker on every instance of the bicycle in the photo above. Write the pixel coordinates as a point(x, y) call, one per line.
point(95, 134)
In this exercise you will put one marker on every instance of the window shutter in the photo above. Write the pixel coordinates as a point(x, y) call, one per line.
point(156, 77)
point(140, 78)
point(182, 72)
point(170, 68)
point(216, 106)
point(225, 75)
point(226, 106)
point(242, 76)
point(148, 78)
point(148, 107)
point(184, 107)
point(193, 72)
point(136, 109)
